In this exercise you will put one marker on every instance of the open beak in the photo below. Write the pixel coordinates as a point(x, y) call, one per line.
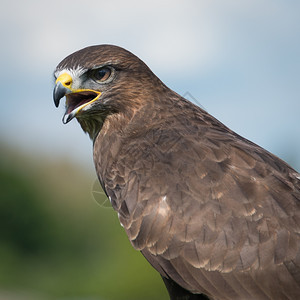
point(76, 99)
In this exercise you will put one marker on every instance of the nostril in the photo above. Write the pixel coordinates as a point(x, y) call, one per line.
point(65, 79)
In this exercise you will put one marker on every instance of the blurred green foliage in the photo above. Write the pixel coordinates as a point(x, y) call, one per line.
point(57, 242)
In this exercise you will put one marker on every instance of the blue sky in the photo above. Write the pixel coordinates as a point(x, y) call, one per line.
point(239, 59)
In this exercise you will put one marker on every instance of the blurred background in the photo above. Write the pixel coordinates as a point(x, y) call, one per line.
point(59, 239)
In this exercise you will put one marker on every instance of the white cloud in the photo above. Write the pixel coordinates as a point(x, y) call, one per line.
point(191, 34)
point(175, 32)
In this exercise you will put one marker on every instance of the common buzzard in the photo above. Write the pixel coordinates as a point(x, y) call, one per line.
point(215, 214)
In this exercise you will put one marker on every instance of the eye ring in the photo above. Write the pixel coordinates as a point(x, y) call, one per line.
point(102, 74)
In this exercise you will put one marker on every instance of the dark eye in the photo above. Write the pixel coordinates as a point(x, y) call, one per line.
point(102, 74)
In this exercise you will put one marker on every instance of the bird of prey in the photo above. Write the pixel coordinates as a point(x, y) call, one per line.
point(215, 214)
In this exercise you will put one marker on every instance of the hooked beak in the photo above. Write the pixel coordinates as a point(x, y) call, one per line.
point(76, 99)
point(59, 92)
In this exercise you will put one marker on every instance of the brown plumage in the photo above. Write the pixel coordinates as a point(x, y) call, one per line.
point(213, 213)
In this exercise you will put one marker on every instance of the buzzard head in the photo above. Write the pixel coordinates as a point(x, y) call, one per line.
point(99, 81)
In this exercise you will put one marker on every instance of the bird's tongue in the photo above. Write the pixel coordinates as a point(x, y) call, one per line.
point(75, 100)
point(74, 103)
point(71, 106)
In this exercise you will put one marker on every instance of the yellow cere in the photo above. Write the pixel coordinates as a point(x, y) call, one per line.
point(65, 79)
